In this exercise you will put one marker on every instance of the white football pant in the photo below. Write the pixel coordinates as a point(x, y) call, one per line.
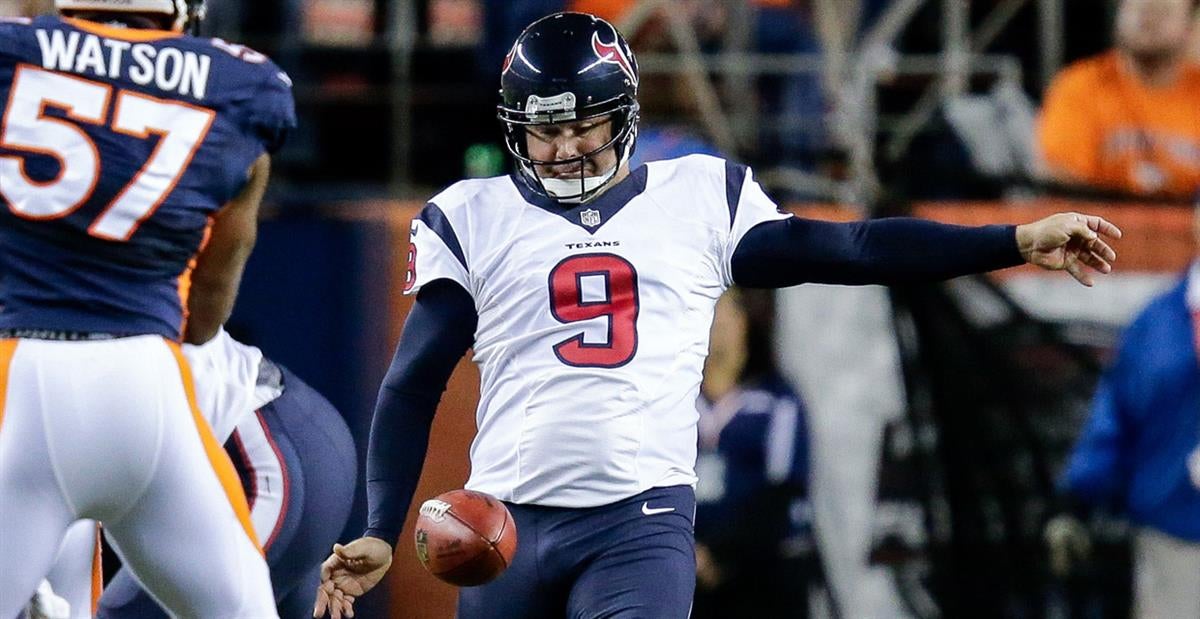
point(109, 430)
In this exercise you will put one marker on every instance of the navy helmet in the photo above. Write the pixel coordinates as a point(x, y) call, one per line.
point(569, 67)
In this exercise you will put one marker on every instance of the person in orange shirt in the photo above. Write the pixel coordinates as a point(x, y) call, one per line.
point(1129, 119)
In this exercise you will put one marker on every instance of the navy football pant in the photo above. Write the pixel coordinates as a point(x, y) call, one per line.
point(632, 559)
point(319, 457)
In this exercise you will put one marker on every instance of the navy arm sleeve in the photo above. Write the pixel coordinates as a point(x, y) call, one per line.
point(793, 251)
point(439, 330)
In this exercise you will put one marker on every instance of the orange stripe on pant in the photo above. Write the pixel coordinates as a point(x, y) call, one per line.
point(216, 454)
point(97, 573)
point(7, 348)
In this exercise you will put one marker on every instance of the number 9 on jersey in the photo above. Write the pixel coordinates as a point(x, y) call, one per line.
point(590, 286)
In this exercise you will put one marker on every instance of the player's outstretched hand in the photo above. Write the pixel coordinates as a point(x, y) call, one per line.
point(351, 571)
point(1069, 242)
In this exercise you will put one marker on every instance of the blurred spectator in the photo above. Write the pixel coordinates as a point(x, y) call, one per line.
point(26, 8)
point(790, 107)
point(753, 541)
point(611, 10)
point(1140, 453)
point(796, 100)
point(659, 142)
point(454, 22)
point(667, 129)
point(1129, 119)
point(1195, 47)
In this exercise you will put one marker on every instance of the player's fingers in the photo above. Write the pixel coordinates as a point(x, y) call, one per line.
point(345, 603)
point(336, 605)
point(348, 584)
point(327, 568)
point(1095, 261)
point(322, 603)
point(1091, 258)
point(1102, 249)
point(1104, 227)
point(1077, 228)
point(350, 552)
point(1075, 268)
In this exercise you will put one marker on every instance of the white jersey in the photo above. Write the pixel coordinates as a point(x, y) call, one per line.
point(225, 372)
point(593, 322)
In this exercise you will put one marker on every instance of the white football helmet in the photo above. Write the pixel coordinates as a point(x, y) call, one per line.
point(184, 12)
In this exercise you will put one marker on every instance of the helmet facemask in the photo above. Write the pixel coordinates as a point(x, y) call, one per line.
point(623, 113)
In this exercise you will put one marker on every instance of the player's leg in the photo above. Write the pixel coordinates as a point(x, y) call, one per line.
point(528, 589)
point(76, 576)
point(645, 565)
point(298, 603)
point(318, 457)
point(124, 598)
point(262, 480)
point(297, 459)
point(34, 515)
point(216, 568)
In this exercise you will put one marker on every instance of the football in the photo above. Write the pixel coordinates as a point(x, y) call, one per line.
point(465, 538)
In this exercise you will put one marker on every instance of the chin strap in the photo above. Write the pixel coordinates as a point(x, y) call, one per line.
point(572, 191)
point(576, 191)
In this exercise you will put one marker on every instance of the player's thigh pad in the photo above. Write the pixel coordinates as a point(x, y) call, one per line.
point(528, 589)
point(643, 564)
point(632, 559)
point(128, 447)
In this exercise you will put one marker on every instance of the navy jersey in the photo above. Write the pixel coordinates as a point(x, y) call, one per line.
point(753, 456)
point(117, 146)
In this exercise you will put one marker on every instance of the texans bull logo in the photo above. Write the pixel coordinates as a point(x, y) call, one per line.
point(611, 53)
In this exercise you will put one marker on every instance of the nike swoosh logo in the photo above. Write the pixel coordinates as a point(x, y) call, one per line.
point(651, 511)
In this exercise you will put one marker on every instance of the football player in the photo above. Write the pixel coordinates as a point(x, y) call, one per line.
point(132, 162)
point(297, 463)
point(586, 289)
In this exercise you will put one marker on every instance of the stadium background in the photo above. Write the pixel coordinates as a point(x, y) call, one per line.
point(968, 393)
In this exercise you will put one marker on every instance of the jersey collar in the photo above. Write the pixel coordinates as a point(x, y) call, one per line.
point(136, 35)
point(591, 215)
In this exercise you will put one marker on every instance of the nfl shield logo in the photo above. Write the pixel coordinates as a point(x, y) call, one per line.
point(590, 218)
